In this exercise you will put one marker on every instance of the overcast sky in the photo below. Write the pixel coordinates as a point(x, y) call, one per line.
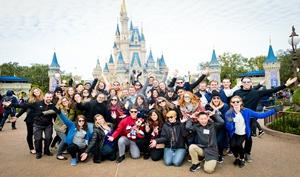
point(184, 31)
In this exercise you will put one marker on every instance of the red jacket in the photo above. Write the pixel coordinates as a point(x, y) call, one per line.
point(123, 126)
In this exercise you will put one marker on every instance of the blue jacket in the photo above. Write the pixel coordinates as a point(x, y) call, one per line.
point(247, 115)
point(72, 129)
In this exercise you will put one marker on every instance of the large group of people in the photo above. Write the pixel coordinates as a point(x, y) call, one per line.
point(178, 121)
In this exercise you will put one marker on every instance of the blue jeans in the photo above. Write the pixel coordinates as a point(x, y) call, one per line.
point(174, 156)
point(61, 146)
point(90, 127)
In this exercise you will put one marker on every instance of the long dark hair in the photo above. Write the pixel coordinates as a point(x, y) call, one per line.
point(144, 105)
point(84, 127)
point(159, 122)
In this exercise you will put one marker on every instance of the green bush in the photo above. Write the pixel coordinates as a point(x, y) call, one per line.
point(290, 123)
point(296, 97)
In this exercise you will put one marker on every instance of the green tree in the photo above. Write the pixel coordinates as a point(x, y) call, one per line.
point(232, 65)
point(37, 74)
point(256, 63)
point(286, 64)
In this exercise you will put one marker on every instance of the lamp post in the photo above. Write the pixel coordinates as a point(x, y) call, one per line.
point(293, 41)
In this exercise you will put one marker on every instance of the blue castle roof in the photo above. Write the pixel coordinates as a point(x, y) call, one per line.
point(131, 26)
point(271, 58)
point(135, 33)
point(136, 59)
point(111, 60)
point(106, 68)
point(214, 61)
point(120, 58)
point(256, 73)
point(9, 79)
point(142, 37)
point(115, 45)
point(162, 61)
point(150, 58)
point(118, 30)
point(54, 63)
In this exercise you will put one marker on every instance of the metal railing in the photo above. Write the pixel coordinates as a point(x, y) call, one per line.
point(284, 121)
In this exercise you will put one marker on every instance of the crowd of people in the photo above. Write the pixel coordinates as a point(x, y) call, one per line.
point(198, 121)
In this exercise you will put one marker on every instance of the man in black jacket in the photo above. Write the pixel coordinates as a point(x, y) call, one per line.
point(42, 123)
point(251, 98)
point(92, 108)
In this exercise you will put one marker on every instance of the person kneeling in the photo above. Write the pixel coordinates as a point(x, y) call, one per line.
point(172, 135)
point(99, 144)
point(206, 141)
point(131, 130)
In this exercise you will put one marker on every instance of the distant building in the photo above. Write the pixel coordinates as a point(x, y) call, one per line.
point(129, 53)
point(54, 74)
point(270, 73)
point(17, 84)
point(214, 68)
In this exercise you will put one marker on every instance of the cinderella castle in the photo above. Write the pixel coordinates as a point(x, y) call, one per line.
point(129, 53)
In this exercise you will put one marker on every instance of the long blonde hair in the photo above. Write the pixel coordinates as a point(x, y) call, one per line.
point(33, 98)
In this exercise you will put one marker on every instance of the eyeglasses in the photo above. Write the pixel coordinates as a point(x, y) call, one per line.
point(235, 102)
point(161, 101)
point(179, 82)
point(216, 98)
point(133, 111)
point(246, 82)
point(81, 120)
point(170, 117)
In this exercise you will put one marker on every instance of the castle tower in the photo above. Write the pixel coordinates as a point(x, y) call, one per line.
point(124, 41)
point(271, 67)
point(97, 71)
point(214, 68)
point(54, 74)
point(129, 52)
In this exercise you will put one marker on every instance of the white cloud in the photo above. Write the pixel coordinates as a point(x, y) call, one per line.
point(183, 30)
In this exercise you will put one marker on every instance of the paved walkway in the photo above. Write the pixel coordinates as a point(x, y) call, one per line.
point(272, 157)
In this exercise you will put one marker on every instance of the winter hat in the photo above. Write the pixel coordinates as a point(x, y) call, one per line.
point(9, 93)
point(215, 93)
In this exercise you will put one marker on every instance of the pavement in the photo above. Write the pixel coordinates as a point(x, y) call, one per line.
point(272, 156)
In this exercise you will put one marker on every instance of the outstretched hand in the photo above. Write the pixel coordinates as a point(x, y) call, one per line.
point(290, 81)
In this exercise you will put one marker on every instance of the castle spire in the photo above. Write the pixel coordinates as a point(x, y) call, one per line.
point(117, 30)
point(214, 61)
point(54, 63)
point(271, 58)
point(123, 11)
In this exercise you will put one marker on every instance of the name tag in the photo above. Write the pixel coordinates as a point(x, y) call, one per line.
point(206, 131)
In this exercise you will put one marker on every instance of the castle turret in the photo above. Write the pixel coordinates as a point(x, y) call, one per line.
point(124, 41)
point(271, 67)
point(97, 72)
point(54, 74)
point(214, 68)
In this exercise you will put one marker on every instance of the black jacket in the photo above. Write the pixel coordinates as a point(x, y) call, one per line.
point(172, 135)
point(97, 140)
point(35, 113)
point(252, 97)
point(92, 108)
point(205, 136)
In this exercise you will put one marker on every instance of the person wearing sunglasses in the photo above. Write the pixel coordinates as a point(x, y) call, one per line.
point(163, 106)
point(205, 130)
point(237, 120)
point(251, 98)
point(77, 136)
point(172, 135)
point(216, 105)
point(128, 124)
